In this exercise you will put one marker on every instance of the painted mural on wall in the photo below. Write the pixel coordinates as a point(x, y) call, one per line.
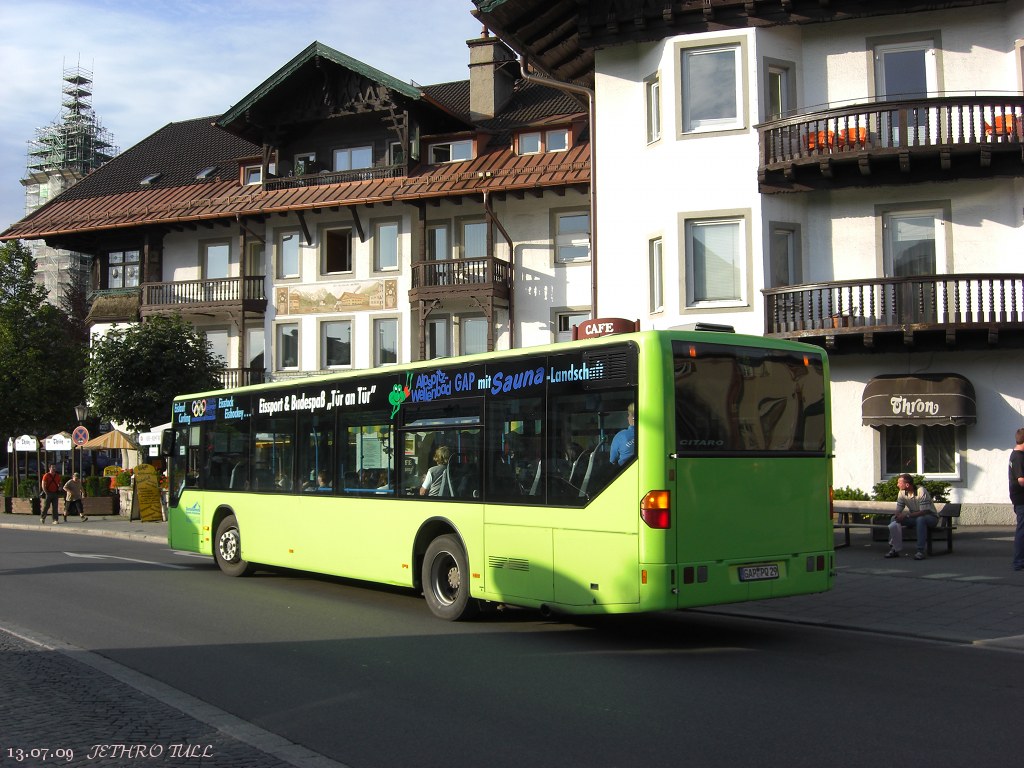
point(337, 297)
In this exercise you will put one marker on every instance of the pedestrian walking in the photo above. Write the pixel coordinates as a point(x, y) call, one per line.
point(75, 493)
point(52, 485)
point(1017, 498)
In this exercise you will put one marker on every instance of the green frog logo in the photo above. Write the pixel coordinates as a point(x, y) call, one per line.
point(399, 394)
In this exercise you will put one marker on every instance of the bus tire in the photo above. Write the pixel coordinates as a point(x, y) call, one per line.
point(445, 577)
point(227, 548)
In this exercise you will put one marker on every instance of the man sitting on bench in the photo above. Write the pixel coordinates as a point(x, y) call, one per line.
point(914, 507)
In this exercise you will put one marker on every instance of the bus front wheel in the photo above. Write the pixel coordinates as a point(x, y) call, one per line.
point(227, 548)
point(446, 579)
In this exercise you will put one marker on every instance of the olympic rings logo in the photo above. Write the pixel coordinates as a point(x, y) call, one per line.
point(198, 408)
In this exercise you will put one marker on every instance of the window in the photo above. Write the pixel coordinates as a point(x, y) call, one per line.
point(216, 260)
point(217, 338)
point(777, 99)
point(288, 254)
point(336, 251)
point(438, 340)
point(287, 346)
point(385, 246)
point(336, 343)
point(206, 173)
point(652, 94)
point(715, 262)
point(316, 447)
point(572, 237)
point(256, 264)
point(385, 341)
point(784, 255)
point(351, 158)
point(535, 142)
point(474, 240)
point(711, 88)
point(473, 335)
point(151, 179)
point(396, 153)
point(656, 270)
point(122, 269)
point(450, 152)
point(305, 163)
point(255, 349)
point(253, 174)
point(438, 247)
point(911, 243)
point(564, 321)
point(929, 451)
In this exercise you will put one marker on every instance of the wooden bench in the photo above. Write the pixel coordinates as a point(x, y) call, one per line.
point(948, 513)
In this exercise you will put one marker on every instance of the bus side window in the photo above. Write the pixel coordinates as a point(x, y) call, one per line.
point(515, 450)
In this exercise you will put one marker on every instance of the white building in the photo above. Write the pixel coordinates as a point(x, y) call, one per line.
point(849, 177)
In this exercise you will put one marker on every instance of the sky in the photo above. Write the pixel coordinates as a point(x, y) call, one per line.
point(161, 61)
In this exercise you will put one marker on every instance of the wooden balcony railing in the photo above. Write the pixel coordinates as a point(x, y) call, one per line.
point(950, 303)
point(461, 276)
point(247, 293)
point(336, 177)
point(872, 133)
point(240, 377)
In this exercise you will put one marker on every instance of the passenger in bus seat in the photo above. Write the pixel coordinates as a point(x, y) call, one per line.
point(624, 443)
point(433, 479)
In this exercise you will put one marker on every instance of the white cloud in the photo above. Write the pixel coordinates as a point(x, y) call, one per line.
point(161, 61)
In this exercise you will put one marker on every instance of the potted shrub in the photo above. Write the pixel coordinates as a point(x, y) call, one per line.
point(26, 502)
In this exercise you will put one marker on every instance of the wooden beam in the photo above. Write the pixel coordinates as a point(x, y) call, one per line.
point(305, 228)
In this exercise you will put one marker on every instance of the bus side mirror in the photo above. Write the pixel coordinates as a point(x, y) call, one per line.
point(166, 442)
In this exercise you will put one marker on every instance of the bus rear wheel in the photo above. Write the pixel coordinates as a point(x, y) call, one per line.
point(227, 548)
point(445, 578)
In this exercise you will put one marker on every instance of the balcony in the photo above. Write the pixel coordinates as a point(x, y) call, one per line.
point(240, 377)
point(335, 177)
point(895, 313)
point(229, 294)
point(477, 278)
point(893, 142)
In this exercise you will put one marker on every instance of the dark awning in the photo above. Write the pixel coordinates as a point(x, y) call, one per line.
point(925, 399)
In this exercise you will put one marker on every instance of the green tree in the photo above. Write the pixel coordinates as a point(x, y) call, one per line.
point(135, 372)
point(42, 358)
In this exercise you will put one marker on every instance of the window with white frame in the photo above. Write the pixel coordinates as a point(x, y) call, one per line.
point(450, 151)
point(473, 335)
point(715, 262)
point(438, 338)
point(564, 321)
point(336, 251)
point(385, 246)
point(930, 451)
point(216, 260)
point(287, 343)
point(288, 254)
point(253, 174)
point(336, 343)
point(305, 163)
point(572, 236)
point(122, 269)
point(784, 255)
point(351, 158)
point(712, 88)
point(652, 99)
point(535, 142)
point(256, 262)
point(473, 240)
point(779, 90)
point(385, 341)
point(255, 348)
point(438, 242)
point(656, 272)
point(217, 339)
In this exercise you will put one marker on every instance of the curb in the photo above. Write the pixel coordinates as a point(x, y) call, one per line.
point(92, 531)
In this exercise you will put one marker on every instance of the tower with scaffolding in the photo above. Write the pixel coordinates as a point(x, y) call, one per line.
point(61, 154)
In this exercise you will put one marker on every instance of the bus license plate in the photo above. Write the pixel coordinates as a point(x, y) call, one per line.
point(759, 572)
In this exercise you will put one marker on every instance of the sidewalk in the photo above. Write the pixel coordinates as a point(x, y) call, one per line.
point(970, 596)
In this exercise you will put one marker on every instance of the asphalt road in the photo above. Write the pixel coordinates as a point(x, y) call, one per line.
point(365, 675)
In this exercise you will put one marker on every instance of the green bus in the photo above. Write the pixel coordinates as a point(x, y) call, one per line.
point(639, 472)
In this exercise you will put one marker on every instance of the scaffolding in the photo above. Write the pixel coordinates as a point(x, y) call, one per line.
point(61, 154)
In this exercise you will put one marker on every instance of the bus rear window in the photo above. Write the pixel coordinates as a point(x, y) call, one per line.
point(731, 400)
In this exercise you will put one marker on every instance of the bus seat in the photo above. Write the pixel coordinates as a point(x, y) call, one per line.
point(535, 486)
point(579, 467)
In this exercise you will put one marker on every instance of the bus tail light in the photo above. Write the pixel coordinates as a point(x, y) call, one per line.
point(656, 509)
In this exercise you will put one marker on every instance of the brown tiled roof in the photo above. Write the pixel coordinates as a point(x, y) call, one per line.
point(112, 196)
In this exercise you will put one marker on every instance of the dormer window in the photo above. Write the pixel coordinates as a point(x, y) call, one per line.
point(150, 179)
point(206, 173)
point(535, 142)
point(350, 158)
point(450, 152)
point(252, 174)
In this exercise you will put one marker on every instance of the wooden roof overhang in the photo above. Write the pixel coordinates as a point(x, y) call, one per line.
point(559, 37)
point(494, 173)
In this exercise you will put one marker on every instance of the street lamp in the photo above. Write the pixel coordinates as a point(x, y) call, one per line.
point(81, 413)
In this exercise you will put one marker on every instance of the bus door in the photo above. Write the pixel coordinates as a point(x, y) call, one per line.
point(184, 518)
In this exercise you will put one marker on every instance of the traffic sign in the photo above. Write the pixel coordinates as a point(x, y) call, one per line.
point(80, 435)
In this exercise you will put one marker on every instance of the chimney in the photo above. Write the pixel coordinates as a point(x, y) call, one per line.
point(490, 76)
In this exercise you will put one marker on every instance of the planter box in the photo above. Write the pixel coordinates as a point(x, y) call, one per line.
point(99, 505)
point(21, 506)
